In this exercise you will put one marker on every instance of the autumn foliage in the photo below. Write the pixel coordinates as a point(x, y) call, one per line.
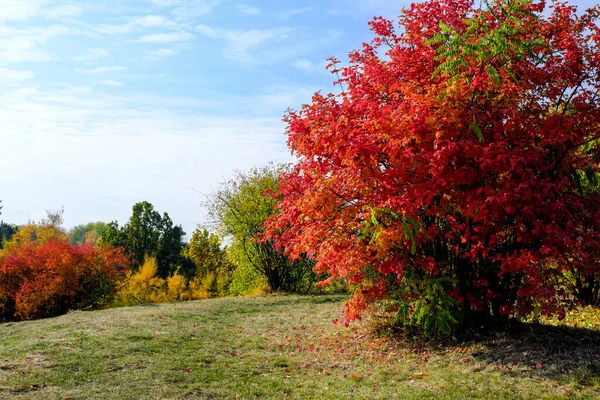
point(145, 286)
point(51, 278)
point(452, 175)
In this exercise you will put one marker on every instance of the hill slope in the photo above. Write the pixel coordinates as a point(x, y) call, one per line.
point(270, 347)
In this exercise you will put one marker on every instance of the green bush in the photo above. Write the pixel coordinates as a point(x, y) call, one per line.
point(246, 281)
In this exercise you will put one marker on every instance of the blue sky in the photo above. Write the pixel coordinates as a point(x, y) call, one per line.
point(106, 103)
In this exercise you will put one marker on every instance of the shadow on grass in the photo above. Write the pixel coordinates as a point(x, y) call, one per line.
point(559, 353)
point(550, 351)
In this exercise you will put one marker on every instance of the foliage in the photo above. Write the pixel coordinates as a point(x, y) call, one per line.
point(6, 230)
point(148, 234)
point(461, 150)
point(145, 286)
point(39, 280)
point(40, 232)
point(424, 303)
point(206, 251)
point(239, 208)
point(586, 317)
point(245, 279)
point(6, 233)
point(88, 233)
point(176, 287)
point(215, 284)
point(585, 285)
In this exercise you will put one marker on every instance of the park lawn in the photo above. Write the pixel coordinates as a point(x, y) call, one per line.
point(281, 347)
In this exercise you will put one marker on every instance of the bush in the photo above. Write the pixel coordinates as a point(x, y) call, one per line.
point(454, 170)
point(206, 251)
point(176, 287)
point(145, 286)
point(247, 281)
point(49, 279)
point(239, 209)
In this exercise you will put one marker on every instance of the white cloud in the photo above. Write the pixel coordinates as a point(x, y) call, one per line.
point(10, 77)
point(245, 9)
point(295, 11)
point(303, 64)
point(241, 44)
point(92, 54)
point(63, 11)
point(270, 45)
point(165, 2)
point(20, 9)
point(24, 44)
point(134, 24)
point(109, 82)
point(100, 70)
point(305, 44)
point(386, 8)
point(281, 97)
point(160, 53)
point(187, 10)
point(149, 21)
point(165, 37)
point(98, 154)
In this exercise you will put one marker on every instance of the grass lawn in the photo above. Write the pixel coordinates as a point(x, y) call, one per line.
point(281, 347)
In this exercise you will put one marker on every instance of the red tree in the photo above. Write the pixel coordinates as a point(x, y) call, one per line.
point(49, 279)
point(454, 172)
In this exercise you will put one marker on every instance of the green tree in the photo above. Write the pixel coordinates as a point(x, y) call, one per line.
point(205, 250)
point(239, 208)
point(88, 233)
point(6, 230)
point(147, 233)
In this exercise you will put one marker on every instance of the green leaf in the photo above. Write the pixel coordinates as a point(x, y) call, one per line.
point(476, 130)
point(374, 217)
point(493, 73)
point(591, 176)
point(445, 28)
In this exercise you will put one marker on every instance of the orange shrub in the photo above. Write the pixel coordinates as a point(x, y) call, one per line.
point(49, 279)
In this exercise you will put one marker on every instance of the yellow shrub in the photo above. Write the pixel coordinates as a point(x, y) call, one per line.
point(176, 287)
point(196, 290)
point(143, 286)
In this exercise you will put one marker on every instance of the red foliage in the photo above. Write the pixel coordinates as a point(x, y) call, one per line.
point(49, 279)
point(393, 176)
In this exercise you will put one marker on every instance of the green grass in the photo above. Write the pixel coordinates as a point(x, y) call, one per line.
point(280, 347)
